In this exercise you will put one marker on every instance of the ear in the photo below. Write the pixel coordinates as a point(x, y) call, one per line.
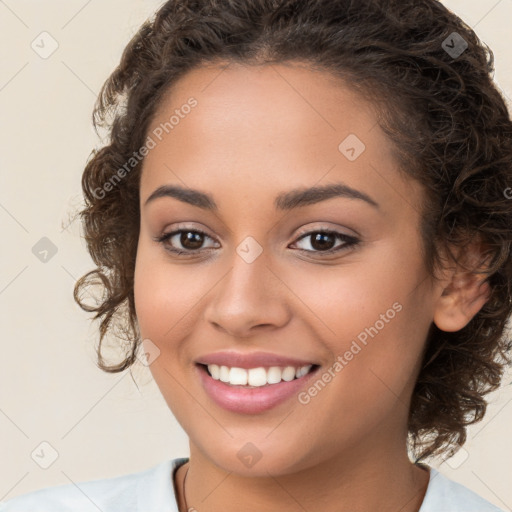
point(464, 291)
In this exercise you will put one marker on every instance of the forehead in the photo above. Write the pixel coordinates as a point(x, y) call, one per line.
point(287, 93)
point(256, 125)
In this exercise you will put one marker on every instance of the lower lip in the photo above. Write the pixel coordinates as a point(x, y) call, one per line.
point(250, 400)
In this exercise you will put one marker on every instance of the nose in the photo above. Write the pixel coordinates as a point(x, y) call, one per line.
point(249, 298)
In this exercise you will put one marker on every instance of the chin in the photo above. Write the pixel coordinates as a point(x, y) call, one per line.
point(250, 460)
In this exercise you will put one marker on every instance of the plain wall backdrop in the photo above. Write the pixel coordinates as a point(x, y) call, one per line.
point(96, 424)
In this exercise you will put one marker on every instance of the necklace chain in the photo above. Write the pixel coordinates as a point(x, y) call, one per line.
point(183, 490)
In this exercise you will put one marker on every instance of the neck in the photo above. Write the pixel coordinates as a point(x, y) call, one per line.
point(342, 484)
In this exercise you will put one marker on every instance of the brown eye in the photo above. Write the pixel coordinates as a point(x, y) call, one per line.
point(323, 241)
point(191, 239)
point(184, 241)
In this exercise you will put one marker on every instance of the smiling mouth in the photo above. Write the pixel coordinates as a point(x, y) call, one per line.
point(260, 377)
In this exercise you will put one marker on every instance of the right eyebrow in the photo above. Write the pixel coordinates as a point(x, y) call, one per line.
point(285, 201)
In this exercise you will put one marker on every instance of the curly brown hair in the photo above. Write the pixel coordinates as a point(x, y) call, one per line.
point(450, 130)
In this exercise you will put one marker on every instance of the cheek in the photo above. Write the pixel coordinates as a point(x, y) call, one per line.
point(165, 294)
point(351, 296)
point(373, 314)
point(165, 297)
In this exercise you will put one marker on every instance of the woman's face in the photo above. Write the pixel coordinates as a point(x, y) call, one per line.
point(246, 136)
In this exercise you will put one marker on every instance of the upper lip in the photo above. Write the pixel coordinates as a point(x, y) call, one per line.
point(251, 360)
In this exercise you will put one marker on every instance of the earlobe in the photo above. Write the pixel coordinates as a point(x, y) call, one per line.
point(460, 301)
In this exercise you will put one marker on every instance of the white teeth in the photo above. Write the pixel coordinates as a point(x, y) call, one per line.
point(256, 377)
point(288, 373)
point(302, 371)
point(215, 371)
point(224, 374)
point(238, 376)
point(274, 375)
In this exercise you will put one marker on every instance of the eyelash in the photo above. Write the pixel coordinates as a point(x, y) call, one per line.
point(350, 241)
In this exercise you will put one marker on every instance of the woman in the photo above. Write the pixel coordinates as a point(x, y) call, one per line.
point(301, 218)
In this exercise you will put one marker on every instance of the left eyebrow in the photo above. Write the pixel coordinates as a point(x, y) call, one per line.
point(186, 195)
point(285, 201)
point(306, 196)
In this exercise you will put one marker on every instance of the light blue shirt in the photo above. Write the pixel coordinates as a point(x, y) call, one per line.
point(152, 490)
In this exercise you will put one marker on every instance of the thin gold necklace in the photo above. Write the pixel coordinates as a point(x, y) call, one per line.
point(183, 490)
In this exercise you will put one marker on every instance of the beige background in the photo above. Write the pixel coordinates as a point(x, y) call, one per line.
point(99, 424)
